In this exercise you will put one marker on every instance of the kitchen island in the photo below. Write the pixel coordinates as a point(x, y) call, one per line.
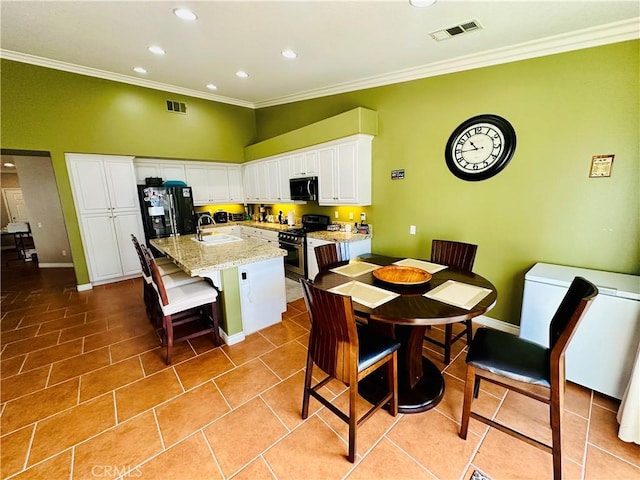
point(248, 274)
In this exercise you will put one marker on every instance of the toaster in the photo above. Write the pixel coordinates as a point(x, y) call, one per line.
point(220, 217)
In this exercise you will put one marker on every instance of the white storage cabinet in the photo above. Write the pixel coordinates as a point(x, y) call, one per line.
point(354, 250)
point(105, 196)
point(601, 353)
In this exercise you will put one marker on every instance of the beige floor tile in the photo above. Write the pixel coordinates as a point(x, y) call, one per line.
point(286, 359)
point(83, 330)
point(245, 381)
point(13, 451)
point(298, 305)
point(35, 317)
point(439, 448)
point(203, 344)
point(24, 383)
point(109, 378)
point(605, 401)
point(38, 405)
point(72, 426)
point(30, 345)
point(62, 323)
point(134, 346)
point(171, 463)
point(387, 461)
point(20, 334)
point(577, 399)
point(601, 465)
point(531, 418)
point(312, 451)
point(11, 366)
point(458, 369)
point(283, 332)
point(203, 368)
point(253, 346)
point(237, 438)
point(154, 360)
point(76, 366)
point(137, 440)
point(146, 393)
point(56, 467)
point(302, 319)
point(286, 400)
point(451, 404)
point(52, 354)
point(180, 417)
point(603, 433)
point(256, 470)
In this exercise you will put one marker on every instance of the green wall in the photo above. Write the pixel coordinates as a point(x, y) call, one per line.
point(49, 110)
point(542, 207)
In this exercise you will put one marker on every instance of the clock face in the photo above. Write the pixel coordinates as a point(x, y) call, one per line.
point(480, 147)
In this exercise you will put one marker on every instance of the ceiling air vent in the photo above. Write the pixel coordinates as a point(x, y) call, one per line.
point(176, 107)
point(456, 30)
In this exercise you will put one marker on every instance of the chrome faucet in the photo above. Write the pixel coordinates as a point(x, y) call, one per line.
point(199, 227)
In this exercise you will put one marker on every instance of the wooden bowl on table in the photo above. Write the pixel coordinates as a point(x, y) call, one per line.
point(399, 275)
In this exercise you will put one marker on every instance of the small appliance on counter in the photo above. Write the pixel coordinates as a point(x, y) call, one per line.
point(236, 217)
point(220, 217)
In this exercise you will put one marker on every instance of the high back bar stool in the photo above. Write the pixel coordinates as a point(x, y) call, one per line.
point(459, 255)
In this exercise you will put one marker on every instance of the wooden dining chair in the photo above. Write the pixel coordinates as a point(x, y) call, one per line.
point(331, 255)
point(517, 364)
point(348, 352)
point(459, 255)
point(187, 311)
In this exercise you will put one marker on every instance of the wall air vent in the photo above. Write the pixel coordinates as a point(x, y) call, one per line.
point(176, 107)
point(456, 30)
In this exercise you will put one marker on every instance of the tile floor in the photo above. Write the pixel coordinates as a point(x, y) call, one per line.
point(85, 394)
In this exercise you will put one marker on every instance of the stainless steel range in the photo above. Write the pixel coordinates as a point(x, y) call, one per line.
point(293, 241)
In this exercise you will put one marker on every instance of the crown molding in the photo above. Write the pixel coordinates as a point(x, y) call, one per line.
point(587, 38)
point(577, 40)
point(117, 77)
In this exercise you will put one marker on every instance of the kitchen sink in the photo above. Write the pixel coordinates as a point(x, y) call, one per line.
point(217, 239)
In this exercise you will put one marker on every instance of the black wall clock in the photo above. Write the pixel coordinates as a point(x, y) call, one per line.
point(480, 147)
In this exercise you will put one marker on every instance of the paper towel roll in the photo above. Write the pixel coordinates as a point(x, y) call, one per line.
point(290, 220)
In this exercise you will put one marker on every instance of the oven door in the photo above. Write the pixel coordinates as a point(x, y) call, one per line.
point(294, 261)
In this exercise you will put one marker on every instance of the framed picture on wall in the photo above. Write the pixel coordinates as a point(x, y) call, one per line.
point(601, 166)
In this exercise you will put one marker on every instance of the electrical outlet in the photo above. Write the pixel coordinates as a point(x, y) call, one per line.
point(363, 217)
point(350, 215)
point(335, 214)
point(412, 229)
point(64, 253)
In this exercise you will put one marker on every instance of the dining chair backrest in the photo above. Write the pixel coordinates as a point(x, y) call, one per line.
point(143, 261)
point(156, 276)
point(331, 255)
point(333, 341)
point(454, 254)
point(565, 321)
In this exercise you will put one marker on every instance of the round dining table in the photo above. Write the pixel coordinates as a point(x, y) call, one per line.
point(406, 318)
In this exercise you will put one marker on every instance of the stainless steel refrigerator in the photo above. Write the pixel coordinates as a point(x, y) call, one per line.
point(167, 211)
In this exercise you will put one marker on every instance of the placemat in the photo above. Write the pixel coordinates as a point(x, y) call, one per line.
point(364, 294)
point(458, 294)
point(355, 269)
point(428, 266)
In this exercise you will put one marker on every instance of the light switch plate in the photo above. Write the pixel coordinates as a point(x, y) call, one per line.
point(412, 230)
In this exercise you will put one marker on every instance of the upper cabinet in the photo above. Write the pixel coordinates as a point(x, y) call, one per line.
point(304, 164)
point(210, 182)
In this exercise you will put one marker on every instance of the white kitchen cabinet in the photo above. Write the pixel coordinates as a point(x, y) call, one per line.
point(259, 234)
point(157, 168)
point(234, 174)
point(304, 164)
point(284, 164)
point(263, 296)
point(312, 263)
point(601, 353)
point(209, 183)
point(344, 172)
point(105, 195)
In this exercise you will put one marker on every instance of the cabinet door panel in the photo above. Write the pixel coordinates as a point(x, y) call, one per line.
point(346, 173)
point(197, 180)
point(144, 171)
point(235, 184)
point(173, 172)
point(218, 184)
point(326, 176)
point(90, 186)
point(101, 245)
point(122, 188)
point(125, 225)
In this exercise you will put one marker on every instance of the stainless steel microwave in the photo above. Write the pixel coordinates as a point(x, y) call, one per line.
point(304, 188)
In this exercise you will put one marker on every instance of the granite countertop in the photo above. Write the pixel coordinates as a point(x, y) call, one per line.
point(197, 259)
point(340, 237)
point(249, 223)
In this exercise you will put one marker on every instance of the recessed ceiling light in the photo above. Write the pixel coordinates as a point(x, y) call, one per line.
point(289, 54)
point(211, 86)
point(242, 74)
point(140, 70)
point(422, 3)
point(157, 50)
point(9, 164)
point(184, 14)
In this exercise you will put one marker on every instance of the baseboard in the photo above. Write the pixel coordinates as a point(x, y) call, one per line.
point(84, 287)
point(497, 324)
point(232, 339)
point(55, 265)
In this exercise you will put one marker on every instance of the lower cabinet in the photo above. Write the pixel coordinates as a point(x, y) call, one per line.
point(107, 242)
point(354, 249)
